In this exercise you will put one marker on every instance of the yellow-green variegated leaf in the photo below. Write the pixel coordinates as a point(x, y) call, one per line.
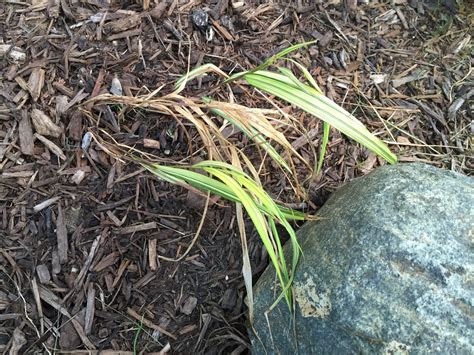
point(311, 101)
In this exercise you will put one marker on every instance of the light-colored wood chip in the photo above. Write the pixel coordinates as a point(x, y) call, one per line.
point(63, 89)
point(23, 84)
point(106, 261)
point(79, 175)
point(152, 254)
point(16, 54)
point(111, 176)
point(403, 140)
point(159, 10)
point(44, 125)
point(123, 266)
point(62, 104)
point(85, 268)
point(51, 146)
point(222, 30)
point(123, 24)
point(151, 143)
point(90, 309)
point(100, 3)
point(36, 83)
point(237, 4)
point(20, 98)
point(81, 95)
point(42, 205)
point(39, 307)
point(138, 228)
point(4, 301)
point(55, 262)
point(125, 34)
point(189, 305)
point(114, 218)
point(148, 323)
point(18, 174)
point(26, 135)
point(61, 235)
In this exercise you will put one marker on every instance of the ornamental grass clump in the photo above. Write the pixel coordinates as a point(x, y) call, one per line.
point(232, 172)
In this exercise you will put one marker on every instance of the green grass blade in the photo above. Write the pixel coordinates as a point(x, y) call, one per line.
point(323, 108)
point(274, 214)
point(136, 337)
point(294, 81)
point(261, 195)
point(205, 183)
point(309, 78)
point(197, 180)
point(326, 128)
point(288, 213)
point(255, 215)
point(237, 186)
point(271, 60)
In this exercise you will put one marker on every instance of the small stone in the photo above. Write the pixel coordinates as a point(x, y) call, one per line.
point(116, 87)
point(378, 78)
point(200, 19)
point(86, 141)
point(189, 305)
point(237, 4)
point(43, 274)
point(313, 52)
point(328, 61)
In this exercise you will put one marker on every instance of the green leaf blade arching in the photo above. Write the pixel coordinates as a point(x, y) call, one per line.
point(322, 108)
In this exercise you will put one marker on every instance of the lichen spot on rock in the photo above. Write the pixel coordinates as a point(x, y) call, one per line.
point(396, 348)
point(310, 302)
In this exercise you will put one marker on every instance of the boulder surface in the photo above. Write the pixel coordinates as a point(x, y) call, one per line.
point(388, 269)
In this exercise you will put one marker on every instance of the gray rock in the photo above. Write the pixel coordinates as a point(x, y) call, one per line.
point(388, 270)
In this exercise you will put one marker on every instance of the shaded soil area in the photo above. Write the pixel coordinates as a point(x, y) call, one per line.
point(93, 251)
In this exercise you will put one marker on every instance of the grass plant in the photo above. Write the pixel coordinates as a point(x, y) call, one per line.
point(227, 170)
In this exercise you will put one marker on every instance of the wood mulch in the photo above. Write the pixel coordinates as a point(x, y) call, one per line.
point(86, 241)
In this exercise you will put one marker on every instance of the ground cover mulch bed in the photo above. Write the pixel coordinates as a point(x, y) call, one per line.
point(87, 241)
